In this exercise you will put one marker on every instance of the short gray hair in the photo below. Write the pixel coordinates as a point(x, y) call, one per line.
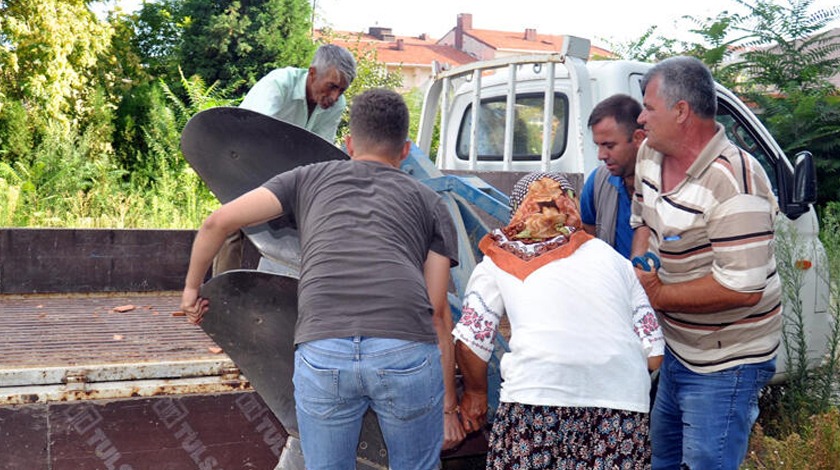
point(685, 78)
point(330, 55)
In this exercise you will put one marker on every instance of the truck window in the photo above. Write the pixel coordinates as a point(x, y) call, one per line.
point(739, 132)
point(527, 131)
point(635, 86)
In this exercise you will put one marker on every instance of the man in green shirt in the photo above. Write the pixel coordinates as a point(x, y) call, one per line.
point(310, 98)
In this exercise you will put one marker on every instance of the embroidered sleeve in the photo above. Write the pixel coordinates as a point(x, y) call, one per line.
point(645, 323)
point(480, 313)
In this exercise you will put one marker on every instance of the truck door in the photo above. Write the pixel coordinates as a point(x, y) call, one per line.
point(740, 133)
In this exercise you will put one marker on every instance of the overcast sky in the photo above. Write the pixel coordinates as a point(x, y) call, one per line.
point(615, 20)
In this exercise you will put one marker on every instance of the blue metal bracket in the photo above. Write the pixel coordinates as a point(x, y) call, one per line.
point(475, 191)
point(462, 193)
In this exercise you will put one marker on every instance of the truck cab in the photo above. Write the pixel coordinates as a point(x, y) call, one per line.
point(529, 113)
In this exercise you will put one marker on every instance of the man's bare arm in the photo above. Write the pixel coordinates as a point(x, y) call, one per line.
point(703, 295)
point(641, 241)
point(252, 208)
point(436, 273)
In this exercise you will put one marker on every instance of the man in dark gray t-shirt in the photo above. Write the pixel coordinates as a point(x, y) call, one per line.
point(374, 325)
point(357, 256)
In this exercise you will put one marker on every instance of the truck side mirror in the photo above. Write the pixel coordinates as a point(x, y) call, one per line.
point(798, 191)
point(804, 179)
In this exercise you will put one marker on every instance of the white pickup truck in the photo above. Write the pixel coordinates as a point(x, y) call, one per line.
point(508, 115)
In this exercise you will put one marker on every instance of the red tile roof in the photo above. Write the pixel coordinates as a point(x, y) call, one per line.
point(415, 50)
point(515, 41)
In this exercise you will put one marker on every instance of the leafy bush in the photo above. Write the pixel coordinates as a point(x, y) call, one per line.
point(807, 391)
point(73, 182)
point(16, 132)
point(414, 100)
point(68, 187)
point(816, 448)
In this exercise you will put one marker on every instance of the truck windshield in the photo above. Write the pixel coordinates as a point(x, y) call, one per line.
point(527, 130)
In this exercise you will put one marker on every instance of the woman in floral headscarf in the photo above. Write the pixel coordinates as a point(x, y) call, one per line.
point(583, 338)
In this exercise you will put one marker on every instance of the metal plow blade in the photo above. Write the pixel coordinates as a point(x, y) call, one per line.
point(252, 317)
point(236, 150)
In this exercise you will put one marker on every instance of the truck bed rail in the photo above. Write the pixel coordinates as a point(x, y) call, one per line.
point(574, 55)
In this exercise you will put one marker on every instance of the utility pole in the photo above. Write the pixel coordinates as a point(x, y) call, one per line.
point(312, 22)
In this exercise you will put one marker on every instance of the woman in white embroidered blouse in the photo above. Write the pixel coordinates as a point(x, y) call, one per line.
point(583, 338)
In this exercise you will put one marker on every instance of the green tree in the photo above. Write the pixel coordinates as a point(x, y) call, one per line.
point(154, 36)
point(136, 60)
point(717, 44)
point(808, 120)
point(780, 56)
point(239, 42)
point(49, 54)
point(786, 46)
point(649, 47)
point(788, 61)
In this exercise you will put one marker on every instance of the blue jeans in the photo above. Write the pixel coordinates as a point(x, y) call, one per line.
point(336, 380)
point(703, 421)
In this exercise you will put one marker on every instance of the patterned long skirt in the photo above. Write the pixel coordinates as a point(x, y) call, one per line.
point(533, 437)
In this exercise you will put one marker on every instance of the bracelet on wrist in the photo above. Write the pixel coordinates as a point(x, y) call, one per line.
point(452, 411)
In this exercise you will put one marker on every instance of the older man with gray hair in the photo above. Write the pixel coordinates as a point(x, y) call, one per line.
point(705, 208)
point(310, 98)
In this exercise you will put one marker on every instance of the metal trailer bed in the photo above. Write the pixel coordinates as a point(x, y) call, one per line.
point(83, 386)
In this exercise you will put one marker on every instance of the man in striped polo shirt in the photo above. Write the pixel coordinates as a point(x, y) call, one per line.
point(706, 209)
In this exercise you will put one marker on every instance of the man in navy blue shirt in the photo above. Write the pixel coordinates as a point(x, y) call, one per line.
point(605, 199)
